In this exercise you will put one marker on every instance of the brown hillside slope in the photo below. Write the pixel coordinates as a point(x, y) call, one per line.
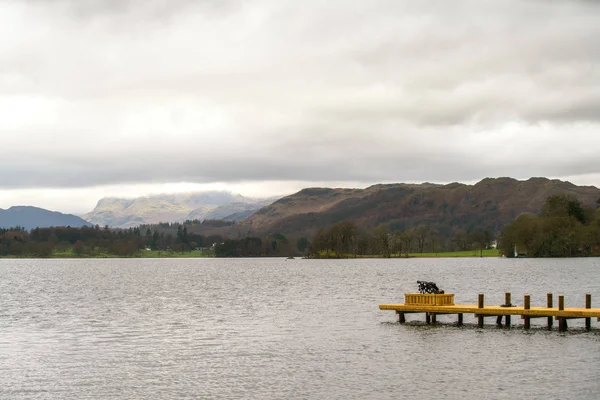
point(489, 204)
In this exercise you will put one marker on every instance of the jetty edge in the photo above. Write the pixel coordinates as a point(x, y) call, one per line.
point(435, 304)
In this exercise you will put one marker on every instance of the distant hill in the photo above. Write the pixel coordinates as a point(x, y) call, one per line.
point(230, 212)
point(33, 217)
point(125, 213)
point(489, 204)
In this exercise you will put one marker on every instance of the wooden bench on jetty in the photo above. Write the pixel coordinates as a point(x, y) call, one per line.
point(434, 304)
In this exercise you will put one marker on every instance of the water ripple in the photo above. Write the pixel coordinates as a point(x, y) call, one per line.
point(270, 329)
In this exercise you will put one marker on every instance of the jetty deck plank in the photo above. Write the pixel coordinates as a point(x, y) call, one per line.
point(495, 310)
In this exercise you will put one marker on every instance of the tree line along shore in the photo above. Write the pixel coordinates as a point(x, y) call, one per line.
point(564, 228)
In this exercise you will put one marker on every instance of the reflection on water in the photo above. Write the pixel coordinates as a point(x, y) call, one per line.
point(271, 328)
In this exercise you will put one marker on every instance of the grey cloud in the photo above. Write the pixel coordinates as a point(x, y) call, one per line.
point(103, 92)
point(386, 169)
point(366, 157)
point(153, 9)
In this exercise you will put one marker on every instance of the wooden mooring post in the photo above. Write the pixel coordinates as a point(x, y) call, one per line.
point(507, 303)
point(549, 304)
point(588, 304)
point(527, 306)
point(480, 305)
point(562, 321)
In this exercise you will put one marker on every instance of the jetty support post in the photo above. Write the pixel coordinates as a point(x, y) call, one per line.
point(549, 304)
point(527, 306)
point(460, 319)
point(427, 318)
point(588, 304)
point(507, 303)
point(401, 317)
point(562, 322)
point(480, 303)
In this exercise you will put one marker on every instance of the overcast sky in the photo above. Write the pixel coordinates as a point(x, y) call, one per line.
point(117, 97)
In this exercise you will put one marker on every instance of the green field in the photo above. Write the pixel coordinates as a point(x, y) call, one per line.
point(176, 254)
point(468, 253)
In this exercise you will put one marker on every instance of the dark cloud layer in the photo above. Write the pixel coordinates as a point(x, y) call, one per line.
point(109, 92)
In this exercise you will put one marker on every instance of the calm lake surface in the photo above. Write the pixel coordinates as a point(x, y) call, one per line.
point(277, 329)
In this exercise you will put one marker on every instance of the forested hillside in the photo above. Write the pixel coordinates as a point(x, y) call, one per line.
point(448, 209)
point(564, 228)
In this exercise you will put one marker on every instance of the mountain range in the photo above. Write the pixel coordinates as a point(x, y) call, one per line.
point(33, 217)
point(125, 213)
point(450, 208)
point(488, 204)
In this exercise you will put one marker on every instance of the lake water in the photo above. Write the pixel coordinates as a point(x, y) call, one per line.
point(277, 329)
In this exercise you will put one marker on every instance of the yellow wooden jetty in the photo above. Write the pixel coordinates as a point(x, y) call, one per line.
point(433, 304)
